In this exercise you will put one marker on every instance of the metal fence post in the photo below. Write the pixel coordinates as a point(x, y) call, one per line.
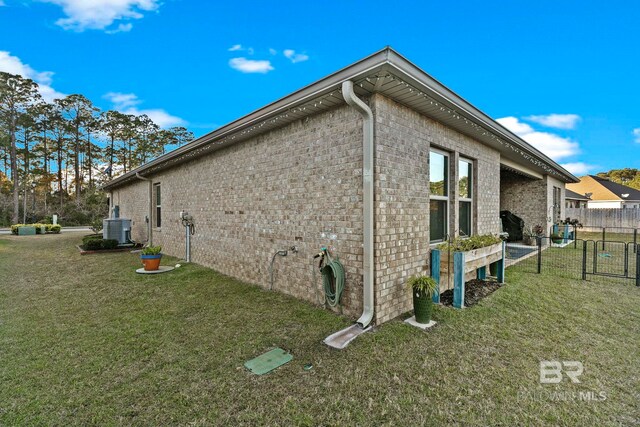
point(626, 260)
point(604, 236)
point(635, 240)
point(584, 260)
point(637, 265)
point(539, 254)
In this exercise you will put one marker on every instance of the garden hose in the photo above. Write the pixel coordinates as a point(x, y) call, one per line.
point(333, 277)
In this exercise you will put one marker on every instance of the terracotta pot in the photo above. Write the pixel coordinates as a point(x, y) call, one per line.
point(151, 262)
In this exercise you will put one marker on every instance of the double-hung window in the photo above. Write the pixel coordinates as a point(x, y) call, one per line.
point(438, 195)
point(465, 197)
point(158, 202)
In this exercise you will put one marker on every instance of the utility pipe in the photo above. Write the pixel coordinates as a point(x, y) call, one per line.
point(149, 223)
point(367, 199)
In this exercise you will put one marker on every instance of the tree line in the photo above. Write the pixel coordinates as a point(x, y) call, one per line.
point(55, 155)
point(627, 176)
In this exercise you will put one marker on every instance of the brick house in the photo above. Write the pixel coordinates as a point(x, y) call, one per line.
point(377, 161)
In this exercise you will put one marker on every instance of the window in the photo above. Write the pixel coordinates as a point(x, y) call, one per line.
point(439, 195)
point(557, 197)
point(465, 200)
point(158, 197)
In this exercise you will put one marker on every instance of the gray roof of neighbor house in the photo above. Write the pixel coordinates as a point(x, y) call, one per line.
point(572, 195)
point(385, 72)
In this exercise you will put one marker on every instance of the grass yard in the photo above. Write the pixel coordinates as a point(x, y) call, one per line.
point(85, 341)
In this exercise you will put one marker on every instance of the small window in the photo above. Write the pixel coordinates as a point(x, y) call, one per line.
point(439, 196)
point(158, 203)
point(465, 200)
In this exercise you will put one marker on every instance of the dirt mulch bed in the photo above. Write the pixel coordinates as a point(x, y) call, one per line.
point(474, 291)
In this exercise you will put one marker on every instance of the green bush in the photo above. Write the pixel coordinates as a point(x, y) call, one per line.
point(85, 239)
point(460, 244)
point(53, 228)
point(109, 244)
point(49, 228)
point(97, 243)
point(93, 245)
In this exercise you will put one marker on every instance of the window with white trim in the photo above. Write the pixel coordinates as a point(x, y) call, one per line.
point(158, 202)
point(438, 195)
point(465, 197)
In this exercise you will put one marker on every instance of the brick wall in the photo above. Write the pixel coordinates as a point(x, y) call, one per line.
point(403, 140)
point(134, 204)
point(297, 185)
point(530, 199)
point(302, 185)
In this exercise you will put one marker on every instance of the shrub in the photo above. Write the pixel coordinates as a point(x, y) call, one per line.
point(109, 244)
point(85, 239)
point(96, 225)
point(53, 228)
point(49, 228)
point(93, 245)
point(97, 243)
point(467, 244)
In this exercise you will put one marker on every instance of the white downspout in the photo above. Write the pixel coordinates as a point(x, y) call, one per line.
point(367, 200)
point(149, 224)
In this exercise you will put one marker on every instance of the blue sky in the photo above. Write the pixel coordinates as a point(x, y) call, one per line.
point(562, 74)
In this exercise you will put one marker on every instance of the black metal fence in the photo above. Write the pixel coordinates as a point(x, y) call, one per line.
point(578, 258)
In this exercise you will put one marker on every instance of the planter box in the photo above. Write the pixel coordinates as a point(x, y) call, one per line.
point(452, 270)
point(26, 231)
point(473, 259)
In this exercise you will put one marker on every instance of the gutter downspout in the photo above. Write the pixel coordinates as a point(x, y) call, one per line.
point(367, 200)
point(149, 224)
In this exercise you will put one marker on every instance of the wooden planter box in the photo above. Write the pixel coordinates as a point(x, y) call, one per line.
point(452, 269)
point(473, 259)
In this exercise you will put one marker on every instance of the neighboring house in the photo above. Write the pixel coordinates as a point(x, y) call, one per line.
point(379, 176)
point(575, 200)
point(606, 194)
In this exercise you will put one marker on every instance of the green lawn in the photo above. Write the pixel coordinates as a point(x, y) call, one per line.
point(85, 341)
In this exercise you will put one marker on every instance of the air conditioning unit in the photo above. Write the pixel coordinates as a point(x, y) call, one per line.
point(117, 229)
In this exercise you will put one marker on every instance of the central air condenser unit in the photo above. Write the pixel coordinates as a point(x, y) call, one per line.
point(117, 229)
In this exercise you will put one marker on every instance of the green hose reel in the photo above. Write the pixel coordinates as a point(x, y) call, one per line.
point(333, 277)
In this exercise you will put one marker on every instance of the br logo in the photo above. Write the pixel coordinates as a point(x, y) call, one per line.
point(551, 371)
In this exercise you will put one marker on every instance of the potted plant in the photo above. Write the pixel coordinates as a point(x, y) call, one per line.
point(422, 287)
point(556, 238)
point(151, 257)
point(527, 236)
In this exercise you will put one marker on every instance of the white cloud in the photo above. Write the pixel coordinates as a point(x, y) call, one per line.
point(13, 65)
point(127, 103)
point(558, 121)
point(235, 47)
point(122, 28)
point(295, 57)
point(579, 168)
point(272, 51)
point(636, 134)
point(551, 144)
point(250, 65)
point(100, 14)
